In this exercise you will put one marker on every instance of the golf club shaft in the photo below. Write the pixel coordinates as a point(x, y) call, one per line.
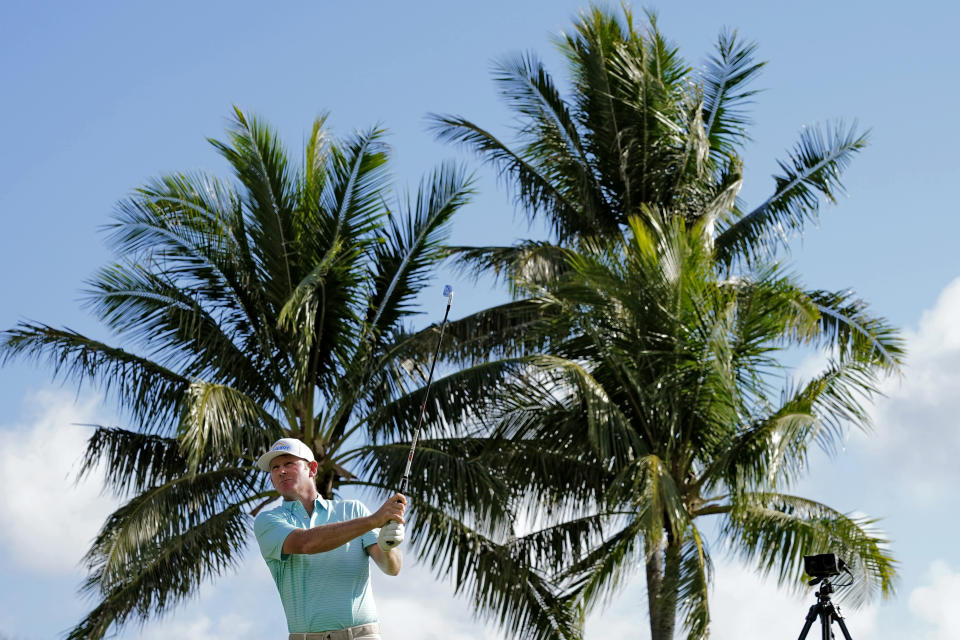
point(404, 481)
point(426, 396)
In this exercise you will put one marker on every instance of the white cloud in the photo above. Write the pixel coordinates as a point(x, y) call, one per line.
point(748, 606)
point(917, 433)
point(418, 606)
point(936, 603)
point(39, 456)
point(743, 605)
point(245, 606)
point(229, 626)
point(46, 521)
point(810, 366)
point(241, 605)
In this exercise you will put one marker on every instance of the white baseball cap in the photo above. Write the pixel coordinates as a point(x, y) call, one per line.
point(285, 446)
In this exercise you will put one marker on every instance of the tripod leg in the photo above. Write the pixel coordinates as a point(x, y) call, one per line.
point(843, 625)
point(825, 632)
point(811, 616)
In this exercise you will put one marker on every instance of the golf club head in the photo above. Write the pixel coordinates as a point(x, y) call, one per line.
point(447, 291)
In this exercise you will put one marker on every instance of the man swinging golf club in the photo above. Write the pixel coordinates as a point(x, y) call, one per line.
point(318, 550)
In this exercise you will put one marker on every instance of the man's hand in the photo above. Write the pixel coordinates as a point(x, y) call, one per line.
point(392, 509)
point(390, 536)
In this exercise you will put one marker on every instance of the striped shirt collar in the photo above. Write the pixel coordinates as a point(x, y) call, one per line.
point(291, 505)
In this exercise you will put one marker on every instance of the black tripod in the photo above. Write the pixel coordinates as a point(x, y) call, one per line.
point(826, 611)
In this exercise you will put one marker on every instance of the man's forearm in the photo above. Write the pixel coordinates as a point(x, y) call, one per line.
point(326, 536)
point(390, 562)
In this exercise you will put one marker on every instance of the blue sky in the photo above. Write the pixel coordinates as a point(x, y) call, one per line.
point(97, 98)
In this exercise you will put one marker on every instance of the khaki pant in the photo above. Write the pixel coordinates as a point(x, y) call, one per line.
point(360, 632)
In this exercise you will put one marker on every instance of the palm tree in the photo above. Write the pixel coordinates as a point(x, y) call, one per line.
point(657, 408)
point(653, 321)
point(642, 128)
point(273, 305)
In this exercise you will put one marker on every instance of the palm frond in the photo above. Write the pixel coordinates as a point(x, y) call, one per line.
point(724, 82)
point(352, 200)
point(775, 531)
point(847, 329)
point(551, 478)
point(840, 396)
point(513, 328)
point(693, 590)
point(455, 401)
point(768, 451)
point(601, 100)
point(151, 392)
point(259, 162)
point(315, 162)
point(179, 221)
point(344, 225)
point(165, 573)
point(132, 461)
point(454, 472)
point(552, 142)
point(534, 188)
point(410, 248)
point(642, 127)
point(221, 422)
point(528, 261)
point(302, 309)
point(597, 576)
point(502, 584)
point(648, 487)
point(605, 426)
point(812, 171)
point(189, 228)
point(160, 513)
point(173, 321)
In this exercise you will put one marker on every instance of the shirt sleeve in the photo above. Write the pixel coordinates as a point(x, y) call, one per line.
point(359, 510)
point(271, 530)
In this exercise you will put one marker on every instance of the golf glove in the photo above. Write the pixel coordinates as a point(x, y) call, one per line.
point(390, 536)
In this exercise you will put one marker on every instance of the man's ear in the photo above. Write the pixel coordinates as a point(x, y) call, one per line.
point(313, 466)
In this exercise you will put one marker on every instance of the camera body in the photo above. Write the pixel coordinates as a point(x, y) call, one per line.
point(823, 565)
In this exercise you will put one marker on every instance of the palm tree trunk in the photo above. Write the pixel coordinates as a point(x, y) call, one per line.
point(663, 573)
point(325, 481)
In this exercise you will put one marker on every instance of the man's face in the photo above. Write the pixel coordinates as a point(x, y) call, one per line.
point(292, 477)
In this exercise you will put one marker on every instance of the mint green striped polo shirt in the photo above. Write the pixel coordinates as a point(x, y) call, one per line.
point(319, 591)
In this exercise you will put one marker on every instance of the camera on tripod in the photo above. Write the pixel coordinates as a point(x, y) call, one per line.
point(821, 568)
point(823, 565)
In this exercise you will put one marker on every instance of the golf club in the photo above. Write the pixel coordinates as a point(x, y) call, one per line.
point(448, 293)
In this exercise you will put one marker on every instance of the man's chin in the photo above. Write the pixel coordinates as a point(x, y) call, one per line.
point(289, 494)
